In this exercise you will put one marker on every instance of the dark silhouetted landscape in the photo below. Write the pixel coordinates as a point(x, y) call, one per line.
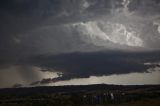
point(82, 95)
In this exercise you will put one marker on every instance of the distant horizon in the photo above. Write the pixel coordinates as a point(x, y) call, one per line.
point(100, 84)
point(116, 81)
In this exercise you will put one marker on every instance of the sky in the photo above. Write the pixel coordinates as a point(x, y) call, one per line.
point(77, 42)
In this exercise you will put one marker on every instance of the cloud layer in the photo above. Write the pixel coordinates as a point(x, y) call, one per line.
point(84, 65)
point(79, 38)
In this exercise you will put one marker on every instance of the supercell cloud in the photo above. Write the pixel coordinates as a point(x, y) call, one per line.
point(77, 38)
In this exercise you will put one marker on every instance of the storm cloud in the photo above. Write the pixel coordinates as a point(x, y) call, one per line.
point(84, 65)
point(78, 38)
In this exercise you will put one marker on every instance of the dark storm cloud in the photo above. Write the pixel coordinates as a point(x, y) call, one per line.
point(20, 18)
point(83, 65)
point(147, 7)
point(17, 15)
point(17, 85)
point(29, 28)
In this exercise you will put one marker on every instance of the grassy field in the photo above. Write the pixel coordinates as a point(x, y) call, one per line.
point(91, 95)
point(143, 102)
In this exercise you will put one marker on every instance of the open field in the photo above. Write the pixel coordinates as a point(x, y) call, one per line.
point(86, 95)
point(144, 102)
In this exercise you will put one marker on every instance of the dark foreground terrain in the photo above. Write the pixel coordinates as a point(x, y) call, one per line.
point(84, 95)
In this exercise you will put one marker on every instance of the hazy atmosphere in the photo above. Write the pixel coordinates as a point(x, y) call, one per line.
point(79, 42)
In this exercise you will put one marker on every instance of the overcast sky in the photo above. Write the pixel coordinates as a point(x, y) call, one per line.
point(57, 42)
